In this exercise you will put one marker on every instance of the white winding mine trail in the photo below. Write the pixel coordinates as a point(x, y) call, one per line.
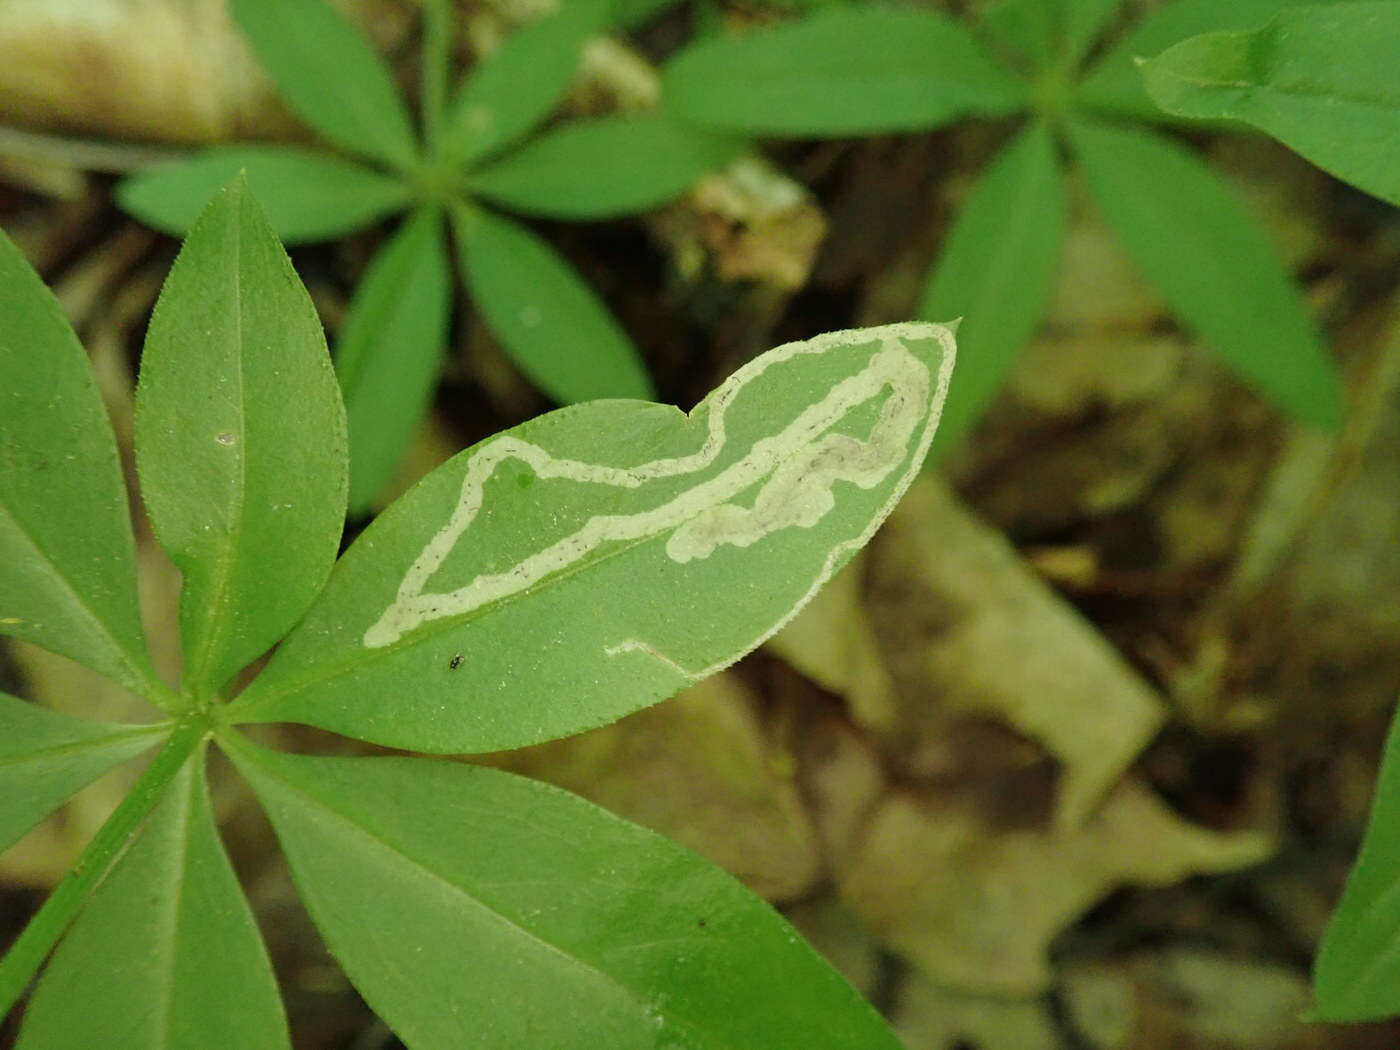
point(802, 463)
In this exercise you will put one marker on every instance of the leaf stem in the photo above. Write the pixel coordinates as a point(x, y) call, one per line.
point(436, 53)
point(163, 697)
point(33, 945)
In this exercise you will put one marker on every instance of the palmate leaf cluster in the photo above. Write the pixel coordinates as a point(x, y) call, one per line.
point(555, 577)
point(472, 160)
point(876, 68)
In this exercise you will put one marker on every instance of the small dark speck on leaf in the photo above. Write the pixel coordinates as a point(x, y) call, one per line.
point(224, 437)
point(455, 662)
point(700, 923)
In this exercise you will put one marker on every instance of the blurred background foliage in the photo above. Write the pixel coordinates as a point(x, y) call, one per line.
point(1076, 755)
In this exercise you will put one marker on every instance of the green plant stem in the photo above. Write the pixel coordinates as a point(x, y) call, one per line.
point(33, 945)
point(162, 696)
point(436, 51)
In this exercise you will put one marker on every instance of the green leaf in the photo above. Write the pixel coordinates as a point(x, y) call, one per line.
point(1212, 264)
point(552, 324)
point(614, 552)
point(435, 47)
point(330, 76)
point(309, 196)
point(516, 87)
point(240, 440)
point(1081, 21)
point(67, 561)
point(391, 351)
point(1046, 30)
point(600, 169)
point(1022, 25)
point(1322, 80)
point(1355, 976)
point(847, 71)
point(46, 757)
point(166, 955)
point(1114, 84)
point(571, 929)
point(996, 272)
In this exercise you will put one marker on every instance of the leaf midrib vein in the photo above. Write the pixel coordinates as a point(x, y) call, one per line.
point(52, 570)
point(378, 840)
point(227, 562)
point(73, 747)
point(1302, 91)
